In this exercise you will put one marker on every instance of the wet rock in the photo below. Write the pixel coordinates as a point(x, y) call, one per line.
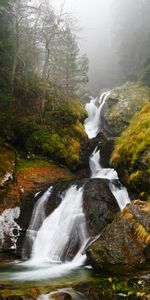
point(125, 242)
point(67, 294)
point(106, 148)
point(99, 205)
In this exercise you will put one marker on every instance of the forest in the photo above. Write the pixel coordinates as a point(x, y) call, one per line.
point(74, 150)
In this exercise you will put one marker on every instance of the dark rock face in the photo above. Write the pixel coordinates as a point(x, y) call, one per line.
point(106, 148)
point(124, 242)
point(99, 204)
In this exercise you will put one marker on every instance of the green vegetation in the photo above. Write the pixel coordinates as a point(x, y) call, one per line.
point(39, 109)
point(131, 155)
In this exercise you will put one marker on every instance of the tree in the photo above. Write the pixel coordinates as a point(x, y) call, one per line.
point(66, 67)
point(6, 45)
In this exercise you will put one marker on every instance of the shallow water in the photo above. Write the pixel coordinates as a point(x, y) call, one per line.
point(82, 283)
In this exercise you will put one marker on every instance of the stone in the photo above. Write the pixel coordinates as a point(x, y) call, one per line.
point(125, 242)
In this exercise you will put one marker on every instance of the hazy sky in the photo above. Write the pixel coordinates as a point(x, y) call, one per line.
point(93, 16)
point(94, 19)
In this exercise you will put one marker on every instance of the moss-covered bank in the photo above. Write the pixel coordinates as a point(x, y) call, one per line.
point(131, 156)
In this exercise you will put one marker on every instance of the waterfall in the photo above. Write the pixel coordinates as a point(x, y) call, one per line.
point(37, 219)
point(94, 108)
point(65, 223)
point(61, 232)
point(92, 128)
point(56, 243)
point(117, 189)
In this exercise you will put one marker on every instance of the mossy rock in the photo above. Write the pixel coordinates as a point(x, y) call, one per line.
point(57, 133)
point(131, 155)
point(125, 243)
point(121, 105)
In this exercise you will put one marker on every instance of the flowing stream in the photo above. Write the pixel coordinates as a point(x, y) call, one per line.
point(49, 239)
point(94, 108)
point(92, 128)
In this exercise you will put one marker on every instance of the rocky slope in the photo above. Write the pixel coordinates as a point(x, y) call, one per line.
point(125, 243)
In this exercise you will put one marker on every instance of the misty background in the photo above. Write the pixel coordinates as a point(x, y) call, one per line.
point(96, 39)
point(115, 34)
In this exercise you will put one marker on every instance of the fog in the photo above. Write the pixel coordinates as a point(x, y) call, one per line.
point(95, 38)
point(115, 35)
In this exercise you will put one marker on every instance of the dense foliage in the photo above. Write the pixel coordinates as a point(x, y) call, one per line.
point(41, 74)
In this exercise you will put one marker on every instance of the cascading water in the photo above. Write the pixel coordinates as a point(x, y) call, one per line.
point(49, 240)
point(37, 219)
point(94, 108)
point(51, 243)
point(66, 222)
point(117, 189)
point(92, 128)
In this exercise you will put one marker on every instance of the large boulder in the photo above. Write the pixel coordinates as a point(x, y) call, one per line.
point(99, 205)
point(121, 105)
point(125, 243)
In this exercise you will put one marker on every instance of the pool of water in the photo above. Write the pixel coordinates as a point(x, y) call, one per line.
point(82, 283)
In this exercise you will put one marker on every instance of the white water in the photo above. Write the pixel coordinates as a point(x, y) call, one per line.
point(93, 122)
point(37, 219)
point(50, 243)
point(117, 189)
point(49, 257)
point(66, 221)
point(92, 127)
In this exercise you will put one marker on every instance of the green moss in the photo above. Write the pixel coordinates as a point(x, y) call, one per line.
point(132, 151)
point(65, 146)
point(23, 165)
